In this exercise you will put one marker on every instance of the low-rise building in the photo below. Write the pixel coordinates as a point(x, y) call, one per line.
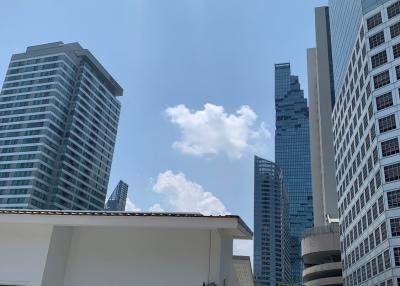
point(67, 248)
point(242, 267)
point(320, 249)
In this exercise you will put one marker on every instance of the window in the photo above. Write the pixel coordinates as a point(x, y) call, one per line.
point(374, 211)
point(397, 72)
point(395, 30)
point(374, 21)
point(368, 270)
point(377, 236)
point(371, 241)
point(395, 226)
point(380, 264)
point(393, 10)
point(396, 251)
point(396, 51)
point(378, 179)
point(384, 101)
point(381, 79)
point(392, 172)
point(387, 123)
point(377, 40)
point(374, 269)
point(379, 59)
point(393, 198)
point(390, 147)
point(380, 205)
point(383, 231)
point(386, 257)
point(366, 246)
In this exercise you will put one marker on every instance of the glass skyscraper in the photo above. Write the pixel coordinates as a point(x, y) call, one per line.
point(271, 238)
point(292, 155)
point(117, 200)
point(59, 114)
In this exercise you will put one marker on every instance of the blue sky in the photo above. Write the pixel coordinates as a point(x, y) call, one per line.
point(172, 57)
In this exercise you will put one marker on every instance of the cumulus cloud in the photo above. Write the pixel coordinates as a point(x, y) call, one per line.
point(156, 208)
point(212, 131)
point(184, 195)
point(130, 206)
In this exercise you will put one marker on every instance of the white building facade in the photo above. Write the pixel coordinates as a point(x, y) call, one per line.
point(43, 248)
point(366, 130)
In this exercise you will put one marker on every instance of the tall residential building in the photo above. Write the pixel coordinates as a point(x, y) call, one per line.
point(320, 247)
point(271, 239)
point(366, 131)
point(292, 155)
point(59, 115)
point(117, 200)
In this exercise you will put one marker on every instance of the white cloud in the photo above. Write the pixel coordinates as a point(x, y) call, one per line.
point(130, 206)
point(212, 131)
point(187, 196)
point(243, 247)
point(156, 208)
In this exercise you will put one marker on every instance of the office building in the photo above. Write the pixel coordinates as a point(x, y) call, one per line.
point(320, 247)
point(69, 248)
point(366, 130)
point(59, 115)
point(117, 199)
point(271, 238)
point(292, 155)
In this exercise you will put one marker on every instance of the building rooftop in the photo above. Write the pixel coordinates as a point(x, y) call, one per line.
point(77, 50)
point(232, 223)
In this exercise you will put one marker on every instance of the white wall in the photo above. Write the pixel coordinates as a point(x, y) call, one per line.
point(23, 253)
point(141, 256)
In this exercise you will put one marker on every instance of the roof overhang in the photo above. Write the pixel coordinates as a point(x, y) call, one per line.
point(230, 224)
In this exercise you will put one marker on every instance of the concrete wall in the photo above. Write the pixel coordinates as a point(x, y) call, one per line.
point(101, 257)
point(40, 254)
point(23, 253)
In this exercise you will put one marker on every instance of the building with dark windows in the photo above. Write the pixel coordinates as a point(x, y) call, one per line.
point(271, 238)
point(292, 155)
point(59, 115)
point(366, 132)
point(117, 199)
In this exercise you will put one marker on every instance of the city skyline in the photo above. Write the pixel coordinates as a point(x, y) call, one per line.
point(135, 59)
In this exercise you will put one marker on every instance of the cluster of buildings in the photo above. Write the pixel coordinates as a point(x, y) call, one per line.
point(326, 212)
point(336, 192)
point(59, 113)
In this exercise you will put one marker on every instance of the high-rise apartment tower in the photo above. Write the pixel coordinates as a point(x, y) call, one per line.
point(59, 115)
point(271, 237)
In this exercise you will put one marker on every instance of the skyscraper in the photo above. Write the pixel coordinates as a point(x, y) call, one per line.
point(366, 130)
point(117, 200)
point(271, 239)
point(322, 97)
point(59, 115)
point(320, 246)
point(292, 155)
